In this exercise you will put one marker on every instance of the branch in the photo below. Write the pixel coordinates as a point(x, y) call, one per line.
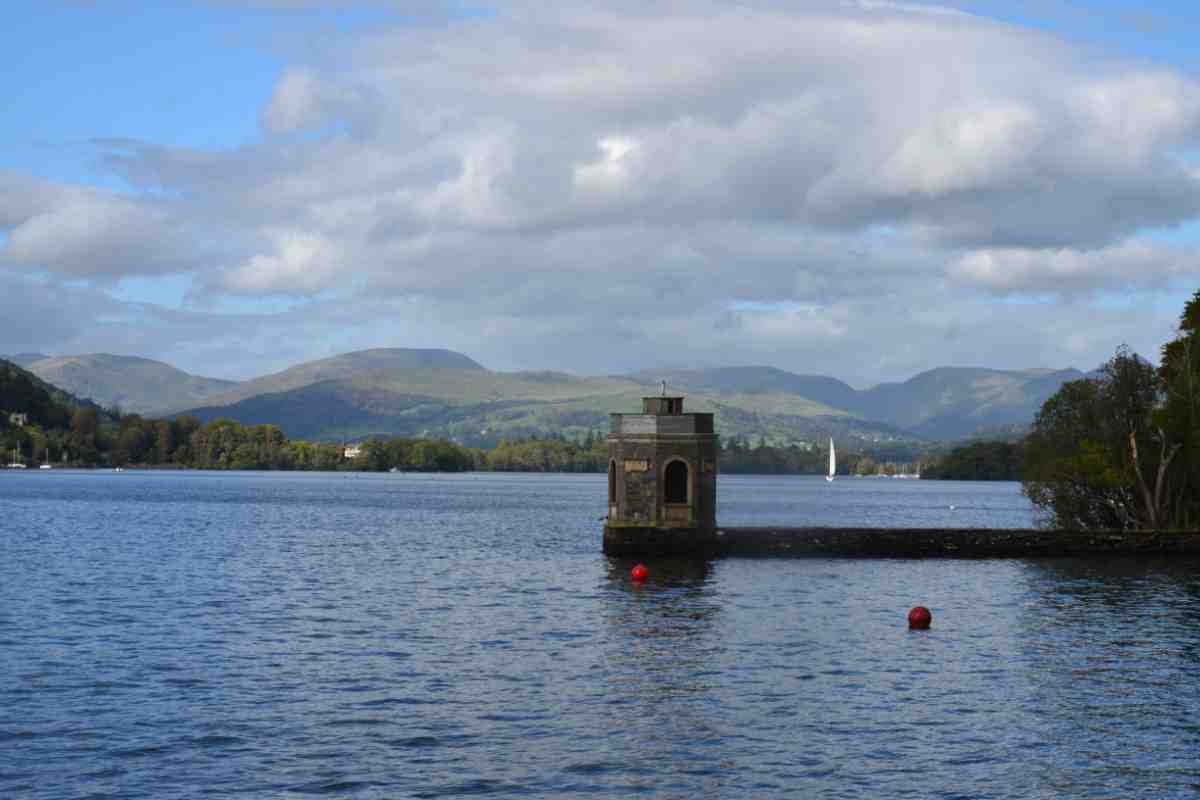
point(1164, 463)
point(1148, 498)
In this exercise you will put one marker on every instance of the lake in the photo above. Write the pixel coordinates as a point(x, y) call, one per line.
point(274, 635)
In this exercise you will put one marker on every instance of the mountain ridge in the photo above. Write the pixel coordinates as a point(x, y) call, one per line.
point(438, 392)
point(343, 365)
point(130, 383)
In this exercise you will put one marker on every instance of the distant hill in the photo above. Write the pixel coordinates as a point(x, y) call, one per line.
point(342, 366)
point(956, 402)
point(758, 380)
point(479, 408)
point(25, 359)
point(135, 385)
point(946, 403)
point(468, 403)
point(415, 392)
point(23, 392)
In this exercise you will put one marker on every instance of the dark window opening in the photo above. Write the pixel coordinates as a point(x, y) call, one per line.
point(612, 482)
point(677, 482)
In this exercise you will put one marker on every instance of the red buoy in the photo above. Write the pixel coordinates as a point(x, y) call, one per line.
point(639, 573)
point(919, 618)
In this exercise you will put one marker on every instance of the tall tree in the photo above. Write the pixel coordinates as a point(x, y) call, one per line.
point(1180, 414)
point(1097, 456)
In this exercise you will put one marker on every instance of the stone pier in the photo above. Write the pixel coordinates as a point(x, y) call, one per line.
point(662, 501)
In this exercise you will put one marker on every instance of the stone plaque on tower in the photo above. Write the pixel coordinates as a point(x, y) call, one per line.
point(662, 481)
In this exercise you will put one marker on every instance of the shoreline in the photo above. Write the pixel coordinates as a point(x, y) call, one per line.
point(909, 543)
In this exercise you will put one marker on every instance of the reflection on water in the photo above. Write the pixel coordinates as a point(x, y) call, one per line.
point(662, 653)
point(800, 500)
point(1111, 651)
point(170, 635)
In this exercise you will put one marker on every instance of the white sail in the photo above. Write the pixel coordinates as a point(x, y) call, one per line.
point(832, 461)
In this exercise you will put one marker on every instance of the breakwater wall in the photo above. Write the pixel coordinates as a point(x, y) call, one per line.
point(898, 542)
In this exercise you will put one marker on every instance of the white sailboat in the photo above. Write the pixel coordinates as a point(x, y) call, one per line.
point(832, 461)
point(16, 462)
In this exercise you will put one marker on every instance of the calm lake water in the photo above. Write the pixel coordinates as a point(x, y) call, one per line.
point(171, 635)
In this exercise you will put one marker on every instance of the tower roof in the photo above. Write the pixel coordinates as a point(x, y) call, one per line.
point(662, 405)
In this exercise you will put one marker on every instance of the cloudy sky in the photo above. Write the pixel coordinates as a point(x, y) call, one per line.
point(861, 189)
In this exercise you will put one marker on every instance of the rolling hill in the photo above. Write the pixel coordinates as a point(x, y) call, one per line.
point(135, 385)
point(946, 403)
point(955, 402)
point(479, 407)
point(341, 366)
point(46, 405)
point(25, 359)
point(758, 380)
point(410, 392)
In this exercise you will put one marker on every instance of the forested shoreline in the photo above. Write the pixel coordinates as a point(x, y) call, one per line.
point(978, 461)
point(41, 424)
point(64, 431)
point(1120, 449)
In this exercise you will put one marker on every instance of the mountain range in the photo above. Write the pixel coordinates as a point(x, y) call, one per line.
point(409, 392)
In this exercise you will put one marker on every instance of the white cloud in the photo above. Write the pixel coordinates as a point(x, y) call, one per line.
point(90, 234)
point(1132, 265)
point(298, 263)
point(302, 101)
point(707, 181)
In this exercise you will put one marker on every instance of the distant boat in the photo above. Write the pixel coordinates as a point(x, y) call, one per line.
point(16, 462)
point(46, 463)
point(832, 461)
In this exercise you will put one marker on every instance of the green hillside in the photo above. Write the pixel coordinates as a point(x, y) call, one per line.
point(137, 385)
point(941, 404)
point(345, 365)
point(37, 418)
point(430, 392)
point(480, 408)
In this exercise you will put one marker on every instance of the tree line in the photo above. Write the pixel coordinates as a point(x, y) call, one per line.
point(1121, 449)
point(87, 437)
point(978, 461)
point(1118, 450)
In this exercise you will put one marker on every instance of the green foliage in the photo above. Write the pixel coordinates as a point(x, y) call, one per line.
point(64, 430)
point(548, 455)
point(415, 455)
point(978, 461)
point(1180, 412)
point(1119, 450)
point(22, 393)
point(738, 458)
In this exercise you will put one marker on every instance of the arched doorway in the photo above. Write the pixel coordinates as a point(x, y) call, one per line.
point(676, 484)
point(612, 483)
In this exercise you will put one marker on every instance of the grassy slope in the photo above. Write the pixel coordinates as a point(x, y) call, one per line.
point(138, 385)
point(480, 407)
point(345, 365)
point(65, 400)
point(441, 393)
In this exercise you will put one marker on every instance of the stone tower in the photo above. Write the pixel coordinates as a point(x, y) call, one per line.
point(662, 481)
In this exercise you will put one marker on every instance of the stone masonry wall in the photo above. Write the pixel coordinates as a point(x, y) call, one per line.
point(951, 543)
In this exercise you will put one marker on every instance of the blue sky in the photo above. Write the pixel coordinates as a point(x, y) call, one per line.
point(196, 74)
point(234, 187)
point(174, 74)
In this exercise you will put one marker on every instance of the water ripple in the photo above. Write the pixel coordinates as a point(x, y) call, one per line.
point(171, 635)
